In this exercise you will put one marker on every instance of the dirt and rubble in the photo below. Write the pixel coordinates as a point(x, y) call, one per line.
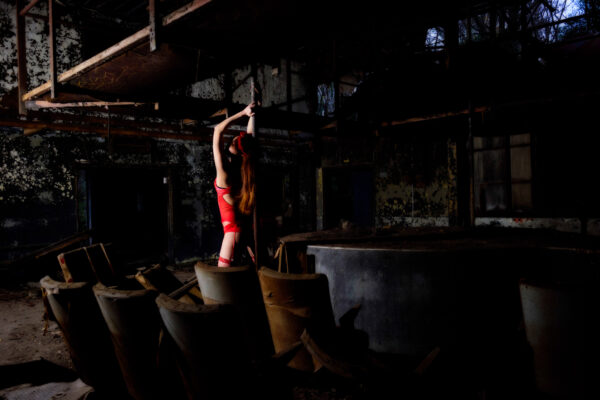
point(29, 340)
point(24, 335)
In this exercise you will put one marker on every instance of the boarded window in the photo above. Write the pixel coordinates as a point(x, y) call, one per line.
point(503, 174)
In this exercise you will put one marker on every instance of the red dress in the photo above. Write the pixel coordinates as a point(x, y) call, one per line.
point(227, 211)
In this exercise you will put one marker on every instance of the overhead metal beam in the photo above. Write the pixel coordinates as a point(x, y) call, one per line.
point(202, 134)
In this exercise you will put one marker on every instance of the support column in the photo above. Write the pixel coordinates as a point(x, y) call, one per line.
point(21, 58)
point(154, 25)
point(319, 199)
point(252, 123)
point(52, 48)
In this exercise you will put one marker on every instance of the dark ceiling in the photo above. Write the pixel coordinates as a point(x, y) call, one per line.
point(237, 31)
point(382, 38)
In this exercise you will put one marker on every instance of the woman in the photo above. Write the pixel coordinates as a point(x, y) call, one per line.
point(234, 182)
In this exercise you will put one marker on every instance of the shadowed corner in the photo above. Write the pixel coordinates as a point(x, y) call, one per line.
point(35, 372)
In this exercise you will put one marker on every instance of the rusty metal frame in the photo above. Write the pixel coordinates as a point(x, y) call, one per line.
point(115, 50)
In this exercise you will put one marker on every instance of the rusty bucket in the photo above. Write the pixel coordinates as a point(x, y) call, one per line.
point(295, 302)
point(555, 325)
point(134, 324)
point(211, 355)
point(85, 334)
point(239, 287)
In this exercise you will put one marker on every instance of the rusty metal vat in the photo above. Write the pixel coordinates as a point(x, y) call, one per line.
point(211, 355)
point(85, 334)
point(134, 324)
point(555, 324)
point(239, 287)
point(295, 302)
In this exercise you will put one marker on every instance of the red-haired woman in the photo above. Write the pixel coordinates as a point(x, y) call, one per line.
point(234, 182)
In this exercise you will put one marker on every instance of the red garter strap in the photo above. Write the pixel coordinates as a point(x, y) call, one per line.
point(224, 260)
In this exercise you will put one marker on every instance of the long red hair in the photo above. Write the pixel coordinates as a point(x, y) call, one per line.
point(247, 196)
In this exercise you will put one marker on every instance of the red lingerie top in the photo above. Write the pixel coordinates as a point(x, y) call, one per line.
point(227, 211)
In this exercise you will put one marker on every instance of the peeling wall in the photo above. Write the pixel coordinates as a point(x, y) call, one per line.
point(572, 225)
point(414, 176)
point(32, 168)
point(38, 183)
point(42, 176)
point(196, 218)
point(68, 47)
point(415, 183)
point(272, 80)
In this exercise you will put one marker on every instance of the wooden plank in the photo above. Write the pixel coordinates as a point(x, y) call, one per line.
point(47, 251)
point(435, 116)
point(21, 59)
point(64, 268)
point(183, 289)
point(101, 265)
point(115, 50)
point(100, 58)
point(76, 267)
point(63, 243)
point(28, 7)
point(36, 104)
point(427, 361)
point(184, 11)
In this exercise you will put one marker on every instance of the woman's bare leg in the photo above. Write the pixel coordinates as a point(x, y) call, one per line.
point(227, 246)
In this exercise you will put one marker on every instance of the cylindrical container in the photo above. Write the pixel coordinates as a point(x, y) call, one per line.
point(555, 327)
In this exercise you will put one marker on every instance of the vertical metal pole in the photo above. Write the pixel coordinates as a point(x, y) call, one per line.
point(336, 86)
point(253, 97)
point(493, 21)
point(52, 48)
point(508, 173)
point(319, 199)
point(228, 89)
point(288, 83)
point(255, 134)
point(21, 58)
point(470, 156)
point(170, 216)
point(152, 11)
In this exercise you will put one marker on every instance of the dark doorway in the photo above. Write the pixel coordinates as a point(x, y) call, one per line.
point(129, 208)
point(348, 196)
